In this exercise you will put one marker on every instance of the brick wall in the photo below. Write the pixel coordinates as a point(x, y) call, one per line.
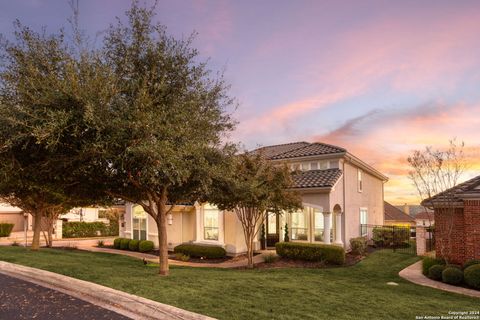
point(459, 233)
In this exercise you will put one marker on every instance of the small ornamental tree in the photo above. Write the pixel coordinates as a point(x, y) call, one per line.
point(251, 187)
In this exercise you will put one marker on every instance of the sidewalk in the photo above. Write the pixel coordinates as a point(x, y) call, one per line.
point(154, 259)
point(120, 302)
point(414, 274)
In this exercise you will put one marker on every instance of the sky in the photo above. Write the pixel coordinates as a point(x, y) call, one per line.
point(379, 78)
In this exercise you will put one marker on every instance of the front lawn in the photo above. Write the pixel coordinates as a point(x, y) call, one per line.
point(358, 292)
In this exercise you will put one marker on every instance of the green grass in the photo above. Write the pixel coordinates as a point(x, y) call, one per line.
point(358, 292)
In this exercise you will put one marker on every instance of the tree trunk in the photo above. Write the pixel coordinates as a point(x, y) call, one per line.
point(162, 236)
point(37, 229)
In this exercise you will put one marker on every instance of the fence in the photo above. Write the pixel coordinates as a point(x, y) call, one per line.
point(397, 238)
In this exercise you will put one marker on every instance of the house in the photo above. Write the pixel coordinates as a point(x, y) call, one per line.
point(341, 194)
point(396, 217)
point(425, 219)
point(9, 214)
point(457, 221)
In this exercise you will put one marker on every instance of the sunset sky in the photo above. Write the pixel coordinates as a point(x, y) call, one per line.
point(380, 78)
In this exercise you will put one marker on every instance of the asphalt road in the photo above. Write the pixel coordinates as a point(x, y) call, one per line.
point(24, 300)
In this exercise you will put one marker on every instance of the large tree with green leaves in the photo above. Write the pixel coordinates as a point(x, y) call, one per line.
point(160, 136)
point(253, 187)
point(47, 94)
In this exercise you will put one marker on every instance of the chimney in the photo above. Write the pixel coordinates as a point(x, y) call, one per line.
point(406, 209)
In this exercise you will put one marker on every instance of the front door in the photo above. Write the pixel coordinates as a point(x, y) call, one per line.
point(273, 234)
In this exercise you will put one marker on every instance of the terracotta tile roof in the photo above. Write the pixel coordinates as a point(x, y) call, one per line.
point(392, 213)
point(425, 215)
point(298, 149)
point(469, 187)
point(316, 178)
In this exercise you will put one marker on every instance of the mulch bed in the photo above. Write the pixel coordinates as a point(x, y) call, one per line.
point(220, 260)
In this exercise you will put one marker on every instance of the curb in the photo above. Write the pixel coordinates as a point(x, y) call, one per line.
point(413, 273)
point(117, 301)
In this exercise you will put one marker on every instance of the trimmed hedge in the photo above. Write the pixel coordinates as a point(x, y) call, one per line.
point(358, 245)
point(311, 252)
point(89, 229)
point(145, 246)
point(435, 272)
point(471, 262)
point(124, 244)
point(452, 275)
point(133, 245)
point(472, 276)
point(6, 229)
point(391, 237)
point(199, 251)
point(428, 262)
point(116, 243)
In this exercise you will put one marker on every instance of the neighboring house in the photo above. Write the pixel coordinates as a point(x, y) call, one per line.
point(457, 222)
point(341, 194)
point(9, 214)
point(425, 219)
point(396, 217)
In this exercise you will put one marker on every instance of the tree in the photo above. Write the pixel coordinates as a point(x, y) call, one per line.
point(46, 94)
point(434, 173)
point(160, 136)
point(253, 187)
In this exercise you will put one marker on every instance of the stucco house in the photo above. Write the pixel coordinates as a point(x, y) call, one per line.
point(340, 194)
point(9, 214)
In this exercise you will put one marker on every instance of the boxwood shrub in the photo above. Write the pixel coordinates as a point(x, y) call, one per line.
point(452, 275)
point(133, 245)
point(472, 276)
point(428, 262)
point(470, 263)
point(116, 243)
point(435, 272)
point(311, 252)
point(358, 245)
point(124, 243)
point(6, 229)
point(145, 246)
point(199, 251)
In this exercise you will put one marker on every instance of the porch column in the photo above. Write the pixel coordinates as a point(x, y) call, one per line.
point(338, 229)
point(326, 227)
point(198, 224)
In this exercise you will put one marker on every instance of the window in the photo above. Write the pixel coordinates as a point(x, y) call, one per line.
point(299, 225)
point(363, 222)
point(360, 182)
point(272, 224)
point(139, 220)
point(102, 214)
point(210, 224)
point(318, 217)
point(313, 165)
point(295, 166)
point(305, 166)
point(323, 165)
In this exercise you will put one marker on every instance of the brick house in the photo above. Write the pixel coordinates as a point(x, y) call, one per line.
point(457, 221)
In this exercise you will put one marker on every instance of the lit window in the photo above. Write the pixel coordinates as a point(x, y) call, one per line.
point(313, 165)
point(299, 225)
point(210, 224)
point(363, 222)
point(360, 182)
point(318, 225)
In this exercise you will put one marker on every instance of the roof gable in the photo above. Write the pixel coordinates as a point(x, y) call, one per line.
point(394, 214)
point(316, 178)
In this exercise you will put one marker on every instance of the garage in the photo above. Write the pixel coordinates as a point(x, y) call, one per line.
point(13, 217)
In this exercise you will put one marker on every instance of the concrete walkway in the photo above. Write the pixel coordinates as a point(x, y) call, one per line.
point(154, 259)
point(120, 302)
point(414, 274)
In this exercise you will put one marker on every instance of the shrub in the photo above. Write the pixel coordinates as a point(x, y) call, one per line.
point(6, 229)
point(457, 266)
point(270, 258)
point(199, 251)
point(428, 262)
point(100, 243)
point(124, 243)
point(133, 245)
point(472, 276)
point(391, 236)
point(452, 275)
point(470, 263)
point(435, 272)
point(311, 252)
point(182, 257)
point(358, 245)
point(116, 243)
point(15, 244)
point(89, 229)
point(145, 246)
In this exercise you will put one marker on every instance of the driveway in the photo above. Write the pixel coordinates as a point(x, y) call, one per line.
point(24, 300)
